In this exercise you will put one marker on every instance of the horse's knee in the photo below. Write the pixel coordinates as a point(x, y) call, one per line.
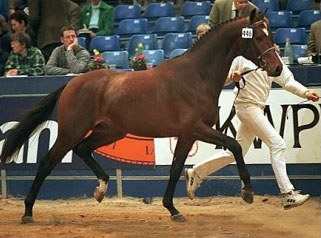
point(81, 150)
point(234, 147)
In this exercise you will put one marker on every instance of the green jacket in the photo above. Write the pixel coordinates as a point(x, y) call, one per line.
point(106, 18)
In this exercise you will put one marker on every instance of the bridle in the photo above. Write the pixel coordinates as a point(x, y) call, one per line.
point(262, 62)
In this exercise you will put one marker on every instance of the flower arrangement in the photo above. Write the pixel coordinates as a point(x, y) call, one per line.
point(138, 62)
point(98, 62)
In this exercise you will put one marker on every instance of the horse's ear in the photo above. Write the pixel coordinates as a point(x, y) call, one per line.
point(252, 15)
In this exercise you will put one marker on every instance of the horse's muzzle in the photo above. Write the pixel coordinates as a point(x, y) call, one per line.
point(274, 73)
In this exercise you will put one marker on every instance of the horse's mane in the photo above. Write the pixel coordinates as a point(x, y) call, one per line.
point(212, 29)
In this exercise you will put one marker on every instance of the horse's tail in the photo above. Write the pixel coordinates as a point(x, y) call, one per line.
point(20, 133)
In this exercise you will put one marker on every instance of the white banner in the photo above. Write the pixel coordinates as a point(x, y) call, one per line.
point(299, 123)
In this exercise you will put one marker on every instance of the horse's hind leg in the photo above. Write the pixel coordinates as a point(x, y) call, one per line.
point(53, 157)
point(101, 135)
point(181, 151)
point(209, 135)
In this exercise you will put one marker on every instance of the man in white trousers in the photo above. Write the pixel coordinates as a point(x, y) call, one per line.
point(249, 106)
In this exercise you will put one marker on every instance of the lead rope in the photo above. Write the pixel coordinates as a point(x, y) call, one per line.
point(290, 108)
point(232, 113)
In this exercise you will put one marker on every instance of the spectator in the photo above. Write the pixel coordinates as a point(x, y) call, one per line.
point(5, 45)
point(69, 57)
point(24, 59)
point(5, 36)
point(202, 29)
point(14, 5)
point(314, 43)
point(224, 10)
point(19, 22)
point(249, 105)
point(98, 18)
point(47, 17)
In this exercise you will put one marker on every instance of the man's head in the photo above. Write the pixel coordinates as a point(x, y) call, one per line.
point(241, 5)
point(68, 35)
point(20, 42)
point(202, 29)
point(95, 2)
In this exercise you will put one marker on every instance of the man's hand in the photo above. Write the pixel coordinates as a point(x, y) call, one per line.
point(236, 76)
point(73, 45)
point(92, 34)
point(12, 72)
point(312, 95)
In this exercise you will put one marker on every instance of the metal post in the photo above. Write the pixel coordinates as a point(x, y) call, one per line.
point(4, 184)
point(119, 182)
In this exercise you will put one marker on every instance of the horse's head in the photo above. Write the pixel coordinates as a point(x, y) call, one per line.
point(258, 46)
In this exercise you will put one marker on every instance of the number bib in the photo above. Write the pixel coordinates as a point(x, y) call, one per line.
point(247, 33)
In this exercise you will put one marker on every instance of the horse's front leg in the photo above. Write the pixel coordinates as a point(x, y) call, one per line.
point(181, 151)
point(209, 135)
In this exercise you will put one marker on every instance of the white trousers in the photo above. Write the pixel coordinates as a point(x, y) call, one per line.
point(252, 123)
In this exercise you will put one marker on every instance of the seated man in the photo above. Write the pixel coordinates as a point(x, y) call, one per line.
point(314, 43)
point(69, 57)
point(24, 59)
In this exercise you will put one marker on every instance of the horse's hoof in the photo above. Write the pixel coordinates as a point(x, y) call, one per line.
point(247, 195)
point(27, 220)
point(178, 218)
point(99, 195)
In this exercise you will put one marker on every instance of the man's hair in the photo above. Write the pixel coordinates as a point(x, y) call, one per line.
point(67, 28)
point(19, 16)
point(22, 38)
point(202, 28)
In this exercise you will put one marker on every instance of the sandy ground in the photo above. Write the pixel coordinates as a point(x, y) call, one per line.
point(215, 217)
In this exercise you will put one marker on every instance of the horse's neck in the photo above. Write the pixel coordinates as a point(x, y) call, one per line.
point(216, 54)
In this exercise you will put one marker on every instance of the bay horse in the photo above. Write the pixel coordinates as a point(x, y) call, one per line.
point(179, 98)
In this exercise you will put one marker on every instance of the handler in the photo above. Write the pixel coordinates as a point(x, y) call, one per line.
point(249, 105)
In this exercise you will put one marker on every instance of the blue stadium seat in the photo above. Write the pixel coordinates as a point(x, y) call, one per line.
point(195, 21)
point(298, 51)
point(280, 19)
point(177, 52)
point(307, 17)
point(127, 12)
point(154, 56)
point(149, 42)
point(4, 8)
point(190, 9)
point(296, 36)
point(129, 27)
point(120, 58)
point(296, 6)
point(159, 9)
point(82, 42)
point(105, 43)
point(165, 25)
point(173, 41)
point(270, 5)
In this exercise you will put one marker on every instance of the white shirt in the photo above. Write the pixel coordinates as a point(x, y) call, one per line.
point(258, 83)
